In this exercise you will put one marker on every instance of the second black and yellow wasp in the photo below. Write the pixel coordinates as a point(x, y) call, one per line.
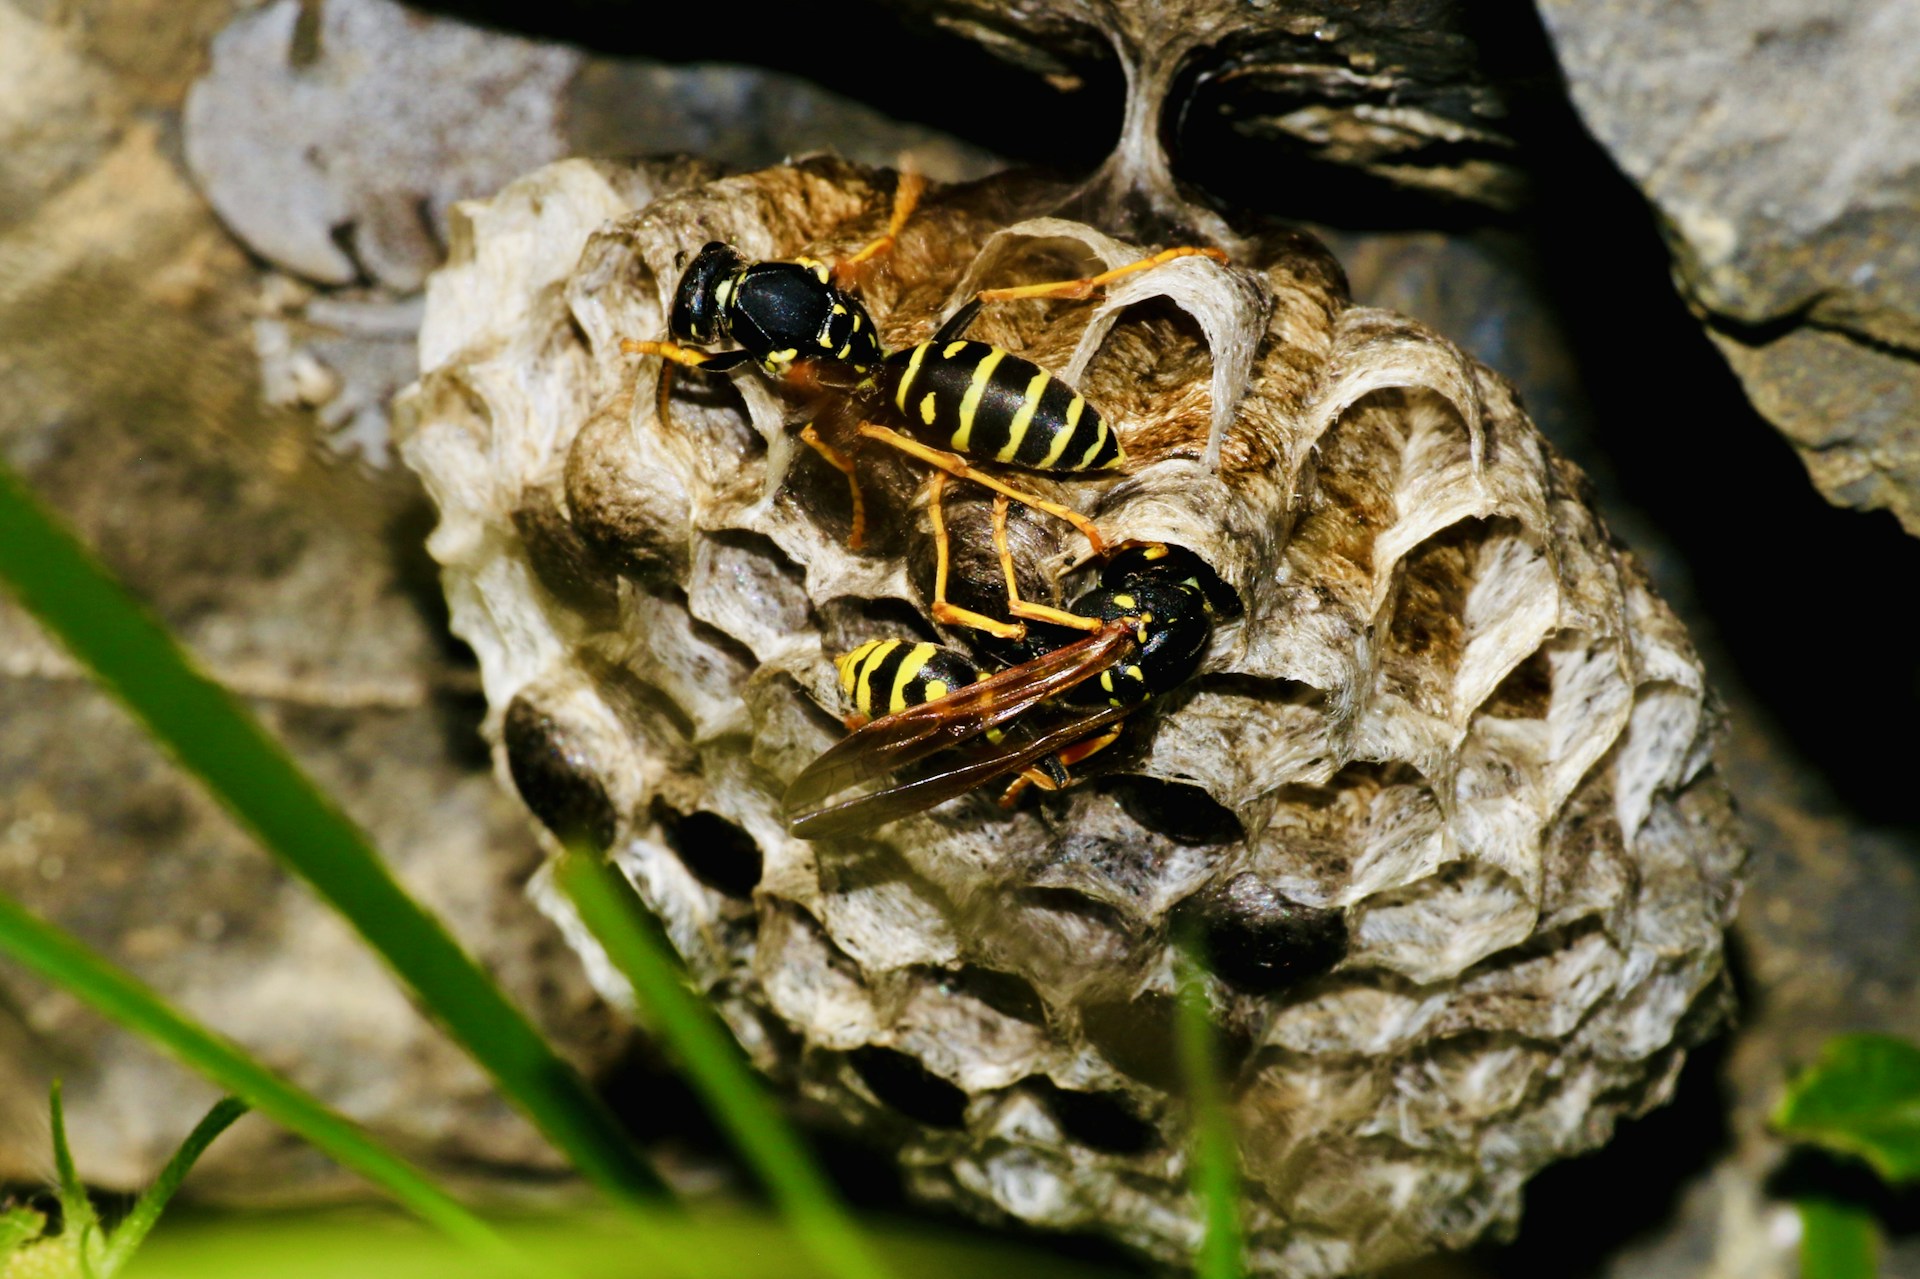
point(1153, 611)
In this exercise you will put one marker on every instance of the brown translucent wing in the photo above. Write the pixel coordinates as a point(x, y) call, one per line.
point(891, 743)
point(980, 767)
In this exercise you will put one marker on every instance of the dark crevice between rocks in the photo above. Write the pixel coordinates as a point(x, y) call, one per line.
point(920, 73)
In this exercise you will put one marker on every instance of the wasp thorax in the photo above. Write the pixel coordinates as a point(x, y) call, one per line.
point(1454, 932)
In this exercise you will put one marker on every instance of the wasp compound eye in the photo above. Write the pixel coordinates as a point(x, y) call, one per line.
point(700, 303)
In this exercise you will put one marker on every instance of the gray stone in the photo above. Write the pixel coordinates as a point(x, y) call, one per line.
point(1780, 143)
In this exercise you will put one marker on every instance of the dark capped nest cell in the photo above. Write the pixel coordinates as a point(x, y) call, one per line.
point(1437, 807)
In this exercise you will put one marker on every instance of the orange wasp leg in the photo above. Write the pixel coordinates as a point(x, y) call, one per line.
point(1067, 757)
point(857, 535)
point(1084, 287)
point(906, 197)
point(955, 465)
point(1015, 605)
point(952, 614)
point(673, 353)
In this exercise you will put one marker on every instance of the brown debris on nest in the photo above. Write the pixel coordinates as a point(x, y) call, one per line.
point(1441, 803)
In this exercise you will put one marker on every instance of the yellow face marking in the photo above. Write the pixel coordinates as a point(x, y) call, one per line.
point(926, 409)
point(1093, 449)
point(982, 373)
point(1126, 601)
point(906, 381)
point(897, 696)
point(1017, 429)
point(863, 698)
point(952, 349)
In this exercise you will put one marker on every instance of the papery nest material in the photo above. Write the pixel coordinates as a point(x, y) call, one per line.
point(1440, 807)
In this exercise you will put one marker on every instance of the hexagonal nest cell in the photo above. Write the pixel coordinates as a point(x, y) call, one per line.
point(1438, 808)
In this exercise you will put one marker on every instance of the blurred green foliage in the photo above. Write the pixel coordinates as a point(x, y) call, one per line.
point(1860, 1099)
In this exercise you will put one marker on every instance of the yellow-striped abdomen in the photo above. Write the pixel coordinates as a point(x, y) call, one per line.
point(988, 403)
point(885, 677)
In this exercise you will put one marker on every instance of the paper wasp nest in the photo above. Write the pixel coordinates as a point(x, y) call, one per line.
point(1440, 806)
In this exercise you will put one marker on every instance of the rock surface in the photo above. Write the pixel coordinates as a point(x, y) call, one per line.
point(1780, 142)
point(1456, 753)
point(133, 408)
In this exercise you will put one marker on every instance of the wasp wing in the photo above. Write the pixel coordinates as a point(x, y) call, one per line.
point(896, 741)
point(1008, 756)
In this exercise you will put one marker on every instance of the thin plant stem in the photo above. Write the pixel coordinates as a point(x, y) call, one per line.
point(133, 1228)
point(64, 960)
point(1215, 1154)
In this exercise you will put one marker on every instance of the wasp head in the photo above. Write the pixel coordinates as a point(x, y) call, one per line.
point(700, 303)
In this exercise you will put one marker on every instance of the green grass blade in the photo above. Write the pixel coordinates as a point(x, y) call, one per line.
point(78, 1221)
point(69, 964)
point(215, 738)
point(1216, 1171)
point(133, 1228)
point(714, 1063)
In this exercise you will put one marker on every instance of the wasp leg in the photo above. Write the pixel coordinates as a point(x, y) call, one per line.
point(906, 198)
point(1084, 287)
point(1015, 605)
point(663, 395)
point(857, 535)
point(955, 465)
point(690, 356)
point(952, 614)
point(1066, 758)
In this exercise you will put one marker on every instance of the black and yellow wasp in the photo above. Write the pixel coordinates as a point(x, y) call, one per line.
point(948, 399)
point(1153, 610)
